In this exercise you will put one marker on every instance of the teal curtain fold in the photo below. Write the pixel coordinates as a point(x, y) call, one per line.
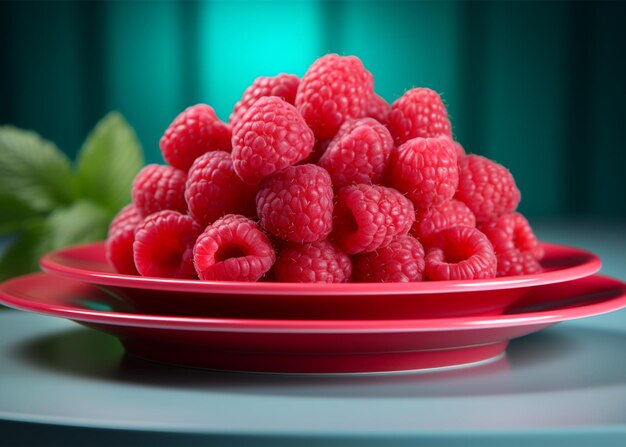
point(538, 86)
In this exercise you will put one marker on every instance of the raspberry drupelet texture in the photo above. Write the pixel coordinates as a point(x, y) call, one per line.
point(192, 133)
point(270, 136)
point(359, 153)
point(213, 189)
point(319, 261)
point(487, 188)
point(164, 244)
point(460, 253)
point(420, 112)
point(120, 238)
point(378, 109)
point(352, 124)
point(426, 170)
point(460, 150)
point(333, 89)
point(516, 247)
point(515, 263)
point(368, 217)
point(159, 187)
point(512, 232)
point(233, 248)
point(283, 86)
point(430, 221)
point(296, 204)
point(400, 261)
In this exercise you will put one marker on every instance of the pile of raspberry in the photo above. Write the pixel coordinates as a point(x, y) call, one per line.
point(319, 179)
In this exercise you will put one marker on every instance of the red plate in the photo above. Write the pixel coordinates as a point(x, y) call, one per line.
point(314, 346)
point(315, 301)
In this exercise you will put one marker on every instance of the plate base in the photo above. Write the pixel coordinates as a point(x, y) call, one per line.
point(311, 363)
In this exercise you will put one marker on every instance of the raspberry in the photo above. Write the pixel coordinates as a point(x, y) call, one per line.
point(314, 262)
point(270, 136)
point(516, 247)
point(428, 222)
point(460, 151)
point(420, 112)
point(283, 85)
point(233, 248)
point(192, 133)
point(512, 232)
point(359, 153)
point(159, 187)
point(333, 89)
point(296, 204)
point(214, 190)
point(352, 124)
point(378, 109)
point(515, 262)
point(400, 261)
point(486, 187)
point(164, 243)
point(119, 243)
point(368, 217)
point(460, 253)
point(426, 170)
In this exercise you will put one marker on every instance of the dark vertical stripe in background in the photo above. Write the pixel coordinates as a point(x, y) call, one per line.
point(189, 51)
point(539, 86)
point(471, 76)
point(581, 29)
point(332, 26)
point(92, 67)
point(6, 69)
point(45, 70)
point(605, 154)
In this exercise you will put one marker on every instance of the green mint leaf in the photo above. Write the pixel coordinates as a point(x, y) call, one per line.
point(22, 256)
point(33, 170)
point(14, 213)
point(108, 162)
point(78, 223)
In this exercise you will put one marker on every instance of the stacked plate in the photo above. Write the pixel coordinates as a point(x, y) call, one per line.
point(314, 328)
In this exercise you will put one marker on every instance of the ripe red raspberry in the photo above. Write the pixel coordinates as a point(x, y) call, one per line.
point(400, 261)
point(164, 243)
point(428, 222)
point(515, 263)
point(159, 187)
point(460, 253)
point(333, 89)
point(192, 133)
point(119, 243)
point(426, 170)
point(378, 109)
point(486, 187)
point(296, 204)
point(460, 151)
point(233, 248)
point(314, 262)
point(368, 217)
point(512, 232)
point(283, 85)
point(270, 136)
point(214, 190)
point(359, 153)
point(420, 112)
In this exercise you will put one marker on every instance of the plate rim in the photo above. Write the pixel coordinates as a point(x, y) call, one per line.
point(50, 265)
point(476, 322)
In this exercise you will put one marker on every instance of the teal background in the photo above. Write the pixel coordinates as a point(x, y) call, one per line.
point(539, 86)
